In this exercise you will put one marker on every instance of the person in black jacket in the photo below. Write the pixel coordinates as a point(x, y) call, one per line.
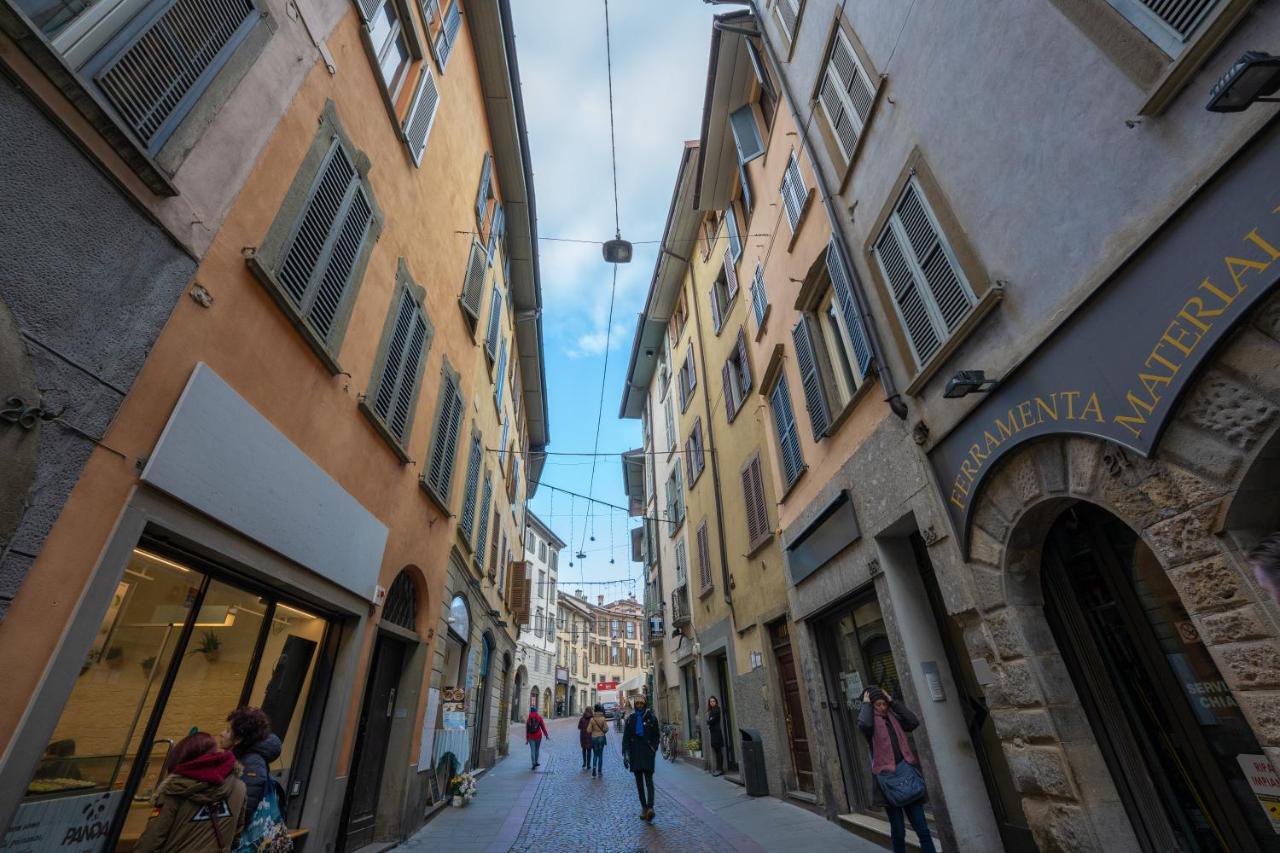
point(640, 739)
point(884, 721)
point(715, 733)
point(248, 735)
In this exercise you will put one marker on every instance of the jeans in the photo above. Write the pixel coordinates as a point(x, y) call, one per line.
point(534, 746)
point(644, 780)
point(597, 753)
point(898, 831)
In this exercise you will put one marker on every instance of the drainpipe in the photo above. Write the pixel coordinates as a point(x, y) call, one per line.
point(711, 443)
point(892, 397)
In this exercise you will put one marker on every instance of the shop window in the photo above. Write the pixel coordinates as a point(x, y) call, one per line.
point(438, 477)
point(314, 255)
point(177, 649)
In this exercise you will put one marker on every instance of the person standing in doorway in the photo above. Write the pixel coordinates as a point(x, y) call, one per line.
point(885, 721)
point(715, 733)
point(584, 739)
point(535, 729)
point(248, 735)
point(640, 740)
point(598, 731)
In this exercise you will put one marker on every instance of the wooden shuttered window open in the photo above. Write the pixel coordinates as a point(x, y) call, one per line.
point(815, 393)
point(518, 589)
point(788, 12)
point(730, 275)
point(757, 512)
point(794, 192)
point(467, 518)
point(704, 558)
point(316, 270)
point(495, 319)
point(473, 283)
point(401, 373)
point(759, 296)
point(485, 190)
point(422, 114)
point(930, 292)
point(784, 423)
point(448, 34)
point(846, 94)
point(500, 375)
point(153, 78)
point(842, 286)
point(438, 477)
point(736, 374)
point(482, 535)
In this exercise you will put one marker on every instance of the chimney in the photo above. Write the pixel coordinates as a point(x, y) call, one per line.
point(600, 600)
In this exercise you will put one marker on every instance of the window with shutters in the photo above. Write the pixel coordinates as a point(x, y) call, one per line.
point(766, 91)
point(473, 284)
point(422, 115)
point(787, 13)
point(682, 563)
point(493, 547)
point(784, 425)
point(675, 500)
point(678, 317)
point(314, 255)
point(484, 192)
point(495, 323)
point(704, 560)
point(733, 234)
point(498, 235)
point(846, 94)
point(482, 517)
point(391, 42)
point(448, 24)
point(755, 509)
point(392, 397)
point(759, 297)
point(437, 475)
point(736, 375)
point(1170, 24)
point(930, 292)
point(670, 412)
point(688, 379)
point(695, 454)
point(795, 195)
point(500, 376)
point(475, 460)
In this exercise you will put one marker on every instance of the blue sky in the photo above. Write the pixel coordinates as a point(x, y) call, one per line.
point(660, 50)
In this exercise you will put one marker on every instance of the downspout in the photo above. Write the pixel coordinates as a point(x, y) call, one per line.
point(892, 397)
point(711, 442)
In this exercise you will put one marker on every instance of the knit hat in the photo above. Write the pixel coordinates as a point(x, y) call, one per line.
point(875, 693)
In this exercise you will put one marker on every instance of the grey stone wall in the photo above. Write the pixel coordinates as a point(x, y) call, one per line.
point(90, 281)
point(1178, 502)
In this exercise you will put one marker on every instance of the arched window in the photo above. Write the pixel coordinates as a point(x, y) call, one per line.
point(402, 605)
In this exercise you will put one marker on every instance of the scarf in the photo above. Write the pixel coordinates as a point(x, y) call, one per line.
point(212, 767)
point(882, 750)
point(639, 715)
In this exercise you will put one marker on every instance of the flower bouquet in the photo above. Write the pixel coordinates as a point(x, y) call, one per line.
point(464, 788)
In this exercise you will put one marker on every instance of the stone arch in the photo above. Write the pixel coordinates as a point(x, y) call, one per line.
point(1220, 440)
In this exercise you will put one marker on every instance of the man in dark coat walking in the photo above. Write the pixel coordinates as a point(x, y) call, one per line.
point(640, 739)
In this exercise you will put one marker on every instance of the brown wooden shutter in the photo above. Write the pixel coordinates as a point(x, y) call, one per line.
point(518, 591)
point(730, 399)
point(704, 557)
point(750, 501)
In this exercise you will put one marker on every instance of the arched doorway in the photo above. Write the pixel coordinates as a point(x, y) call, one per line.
point(548, 710)
point(518, 691)
point(1166, 722)
point(504, 704)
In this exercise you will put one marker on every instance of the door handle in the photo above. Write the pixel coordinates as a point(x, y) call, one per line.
point(391, 702)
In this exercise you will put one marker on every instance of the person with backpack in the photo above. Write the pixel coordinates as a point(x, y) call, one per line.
point(584, 739)
point(598, 731)
point(248, 736)
point(199, 807)
point(641, 736)
point(535, 729)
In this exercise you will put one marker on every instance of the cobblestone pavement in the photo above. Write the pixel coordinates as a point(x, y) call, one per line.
point(559, 807)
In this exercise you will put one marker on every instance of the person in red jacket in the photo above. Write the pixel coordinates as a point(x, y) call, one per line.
point(535, 729)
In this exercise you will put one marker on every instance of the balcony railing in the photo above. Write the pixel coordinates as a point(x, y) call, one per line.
point(680, 605)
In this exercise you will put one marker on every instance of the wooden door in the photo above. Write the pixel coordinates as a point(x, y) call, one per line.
point(365, 781)
point(792, 708)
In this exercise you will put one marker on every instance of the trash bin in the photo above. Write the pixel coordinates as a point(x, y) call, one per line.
point(753, 774)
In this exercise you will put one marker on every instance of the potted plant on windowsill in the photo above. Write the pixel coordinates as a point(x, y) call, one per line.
point(114, 657)
point(210, 646)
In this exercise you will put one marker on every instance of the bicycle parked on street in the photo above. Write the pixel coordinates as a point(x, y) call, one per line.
point(670, 742)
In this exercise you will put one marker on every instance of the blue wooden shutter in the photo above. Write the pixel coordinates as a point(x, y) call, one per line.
point(843, 287)
point(784, 423)
point(815, 398)
point(466, 520)
point(482, 535)
point(759, 296)
point(495, 318)
point(500, 378)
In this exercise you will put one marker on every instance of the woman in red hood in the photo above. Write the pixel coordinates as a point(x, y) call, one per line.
point(199, 807)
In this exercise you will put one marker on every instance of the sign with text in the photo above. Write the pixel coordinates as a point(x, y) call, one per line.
point(1265, 782)
point(1116, 368)
point(66, 824)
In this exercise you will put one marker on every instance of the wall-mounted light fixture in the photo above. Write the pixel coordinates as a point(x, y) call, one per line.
point(967, 382)
point(1254, 75)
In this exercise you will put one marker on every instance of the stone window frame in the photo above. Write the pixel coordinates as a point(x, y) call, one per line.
point(404, 284)
point(840, 24)
point(987, 292)
point(1160, 76)
point(265, 259)
point(157, 169)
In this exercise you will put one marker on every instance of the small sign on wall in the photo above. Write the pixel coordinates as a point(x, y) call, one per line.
point(933, 680)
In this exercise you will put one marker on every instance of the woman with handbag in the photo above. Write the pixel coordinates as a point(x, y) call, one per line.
point(897, 785)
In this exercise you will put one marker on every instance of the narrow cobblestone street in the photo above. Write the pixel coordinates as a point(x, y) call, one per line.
point(560, 807)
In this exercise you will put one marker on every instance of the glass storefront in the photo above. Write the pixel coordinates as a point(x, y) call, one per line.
point(177, 649)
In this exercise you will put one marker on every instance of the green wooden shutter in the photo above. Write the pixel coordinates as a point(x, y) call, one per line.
point(486, 500)
point(444, 447)
point(467, 518)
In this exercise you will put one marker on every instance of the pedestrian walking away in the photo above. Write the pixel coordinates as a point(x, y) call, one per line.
point(199, 807)
point(597, 732)
point(897, 785)
point(715, 733)
point(535, 729)
point(640, 738)
point(248, 735)
point(584, 738)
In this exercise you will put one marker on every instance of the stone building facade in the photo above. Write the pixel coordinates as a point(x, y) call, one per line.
point(539, 637)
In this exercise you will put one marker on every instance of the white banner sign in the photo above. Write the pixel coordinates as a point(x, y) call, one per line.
point(425, 760)
point(65, 824)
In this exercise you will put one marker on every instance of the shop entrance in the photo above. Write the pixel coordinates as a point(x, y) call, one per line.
point(689, 676)
point(370, 756)
point(792, 707)
point(180, 645)
point(482, 702)
point(726, 705)
point(1173, 737)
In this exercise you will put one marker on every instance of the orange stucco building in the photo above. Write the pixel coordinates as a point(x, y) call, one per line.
point(312, 497)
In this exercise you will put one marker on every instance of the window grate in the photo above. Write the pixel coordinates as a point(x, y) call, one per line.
point(401, 606)
point(166, 66)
